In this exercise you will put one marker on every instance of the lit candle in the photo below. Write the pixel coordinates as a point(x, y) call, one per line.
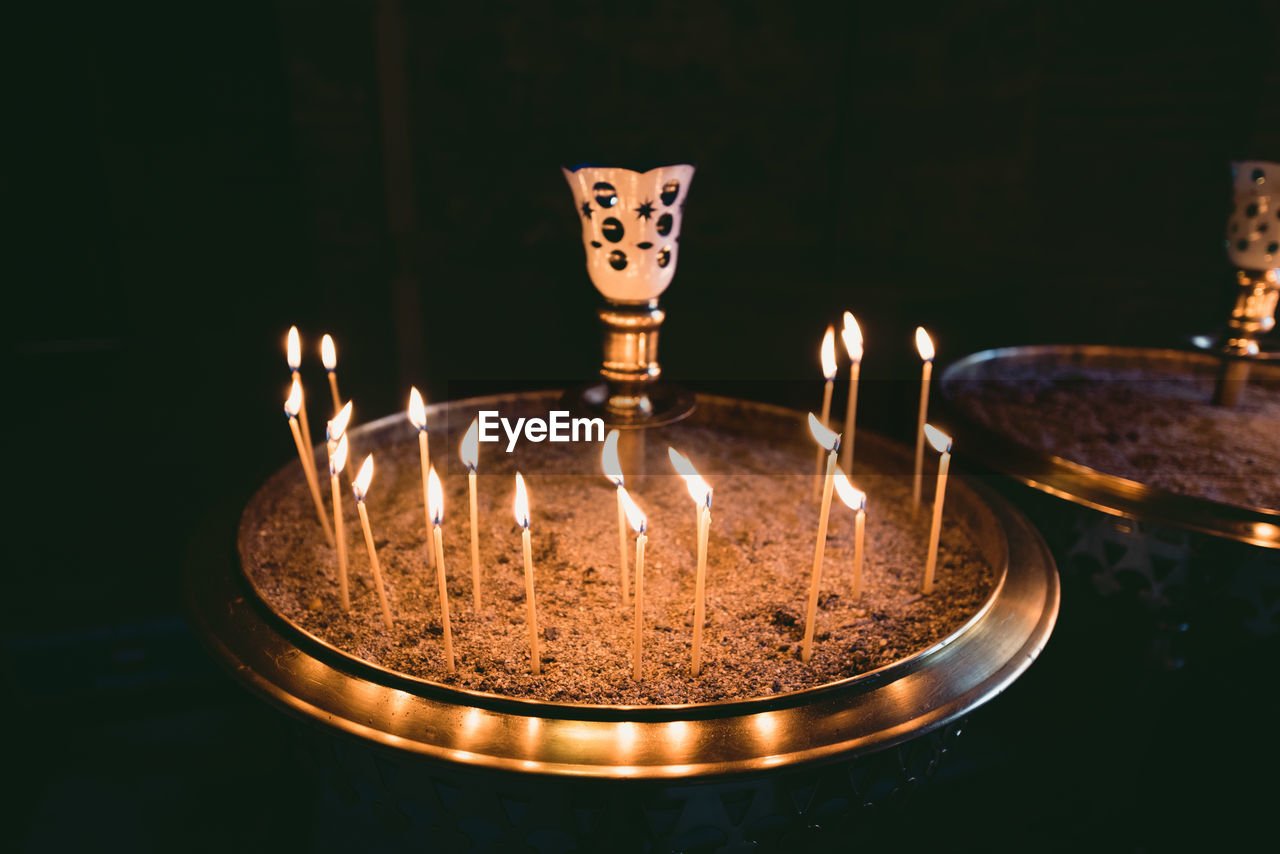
point(640, 524)
point(613, 471)
point(435, 505)
point(521, 507)
point(469, 451)
point(338, 461)
point(336, 427)
point(828, 441)
point(941, 443)
point(294, 356)
point(852, 336)
point(855, 499)
point(418, 418)
point(924, 344)
point(700, 492)
point(827, 355)
point(329, 357)
point(292, 406)
point(361, 489)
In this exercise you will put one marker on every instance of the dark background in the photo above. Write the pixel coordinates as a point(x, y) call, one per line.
point(184, 182)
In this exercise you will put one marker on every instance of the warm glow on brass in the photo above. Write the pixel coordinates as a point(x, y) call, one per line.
point(852, 337)
point(828, 353)
point(328, 353)
point(609, 459)
point(337, 425)
point(338, 459)
point(827, 438)
point(435, 498)
point(521, 503)
point(294, 401)
point(635, 516)
point(294, 349)
point(940, 441)
point(361, 485)
point(924, 344)
point(417, 409)
point(469, 450)
point(854, 498)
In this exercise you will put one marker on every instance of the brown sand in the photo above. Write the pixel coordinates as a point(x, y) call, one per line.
point(761, 548)
point(1153, 423)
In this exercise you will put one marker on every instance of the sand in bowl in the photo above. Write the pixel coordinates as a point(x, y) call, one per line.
point(763, 529)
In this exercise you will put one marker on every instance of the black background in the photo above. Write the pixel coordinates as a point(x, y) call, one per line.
point(184, 182)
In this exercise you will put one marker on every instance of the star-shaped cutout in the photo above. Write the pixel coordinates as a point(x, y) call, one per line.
point(645, 210)
point(586, 209)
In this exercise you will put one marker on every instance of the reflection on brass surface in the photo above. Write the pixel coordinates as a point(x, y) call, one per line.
point(1254, 315)
point(1100, 491)
point(860, 715)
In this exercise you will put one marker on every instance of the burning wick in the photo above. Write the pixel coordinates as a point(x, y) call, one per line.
point(521, 507)
point(329, 358)
point(435, 510)
point(469, 452)
point(361, 488)
point(852, 336)
point(336, 427)
point(924, 344)
point(855, 499)
point(700, 492)
point(292, 406)
point(294, 356)
point(830, 442)
point(827, 354)
point(337, 462)
point(640, 524)
point(418, 418)
point(613, 471)
point(941, 443)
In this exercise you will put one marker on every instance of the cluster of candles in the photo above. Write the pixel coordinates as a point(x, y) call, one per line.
point(835, 481)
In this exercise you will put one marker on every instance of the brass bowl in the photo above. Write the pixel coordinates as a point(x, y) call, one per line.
point(522, 747)
point(1183, 561)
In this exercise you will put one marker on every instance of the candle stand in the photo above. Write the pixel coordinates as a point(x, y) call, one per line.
point(458, 765)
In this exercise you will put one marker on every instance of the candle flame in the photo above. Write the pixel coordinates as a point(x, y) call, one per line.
point(328, 353)
point(609, 459)
point(639, 522)
point(294, 349)
point(924, 344)
point(293, 403)
point(699, 489)
point(417, 409)
point(338, 457)
point(825, 437)
point(852, 336)
point(361, 485)
point(828, 353)
point(854, 498)
point(469, 450)
point(337, 426)
point(521, 505)
point(435, 498)
point(940, 441)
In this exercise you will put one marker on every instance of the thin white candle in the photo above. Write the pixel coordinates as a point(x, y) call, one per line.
point(361, 489)
point(827, 355)
point(829, 441)
point(640, 524)
point(941, 443)
point(435, 503)
point(338, 461)
point(856, 500)
point(336, 427)
point(294, 356)
point(851, 334)
point(521, 509)
point(613, 471)
point(469, 453)
point(700, 491)
point(418, 418)
point(292, 406)
point(924, 344)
